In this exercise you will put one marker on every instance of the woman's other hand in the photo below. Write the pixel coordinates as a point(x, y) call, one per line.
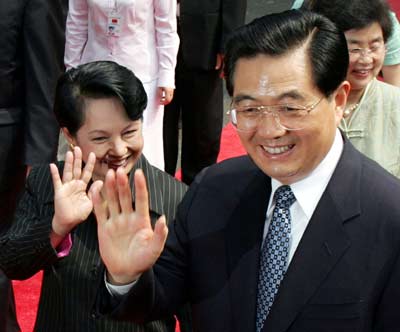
point(72, 205)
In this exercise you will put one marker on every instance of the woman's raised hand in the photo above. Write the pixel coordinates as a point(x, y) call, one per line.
point(72, 205)
point(127, 242)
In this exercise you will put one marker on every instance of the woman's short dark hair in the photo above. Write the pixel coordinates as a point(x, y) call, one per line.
point(354, 14)
point(278, 34)
point(99, 79)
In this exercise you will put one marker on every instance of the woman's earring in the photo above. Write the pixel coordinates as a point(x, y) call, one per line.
point(71, 146)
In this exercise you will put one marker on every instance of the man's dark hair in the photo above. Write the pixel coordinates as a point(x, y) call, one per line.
point(354, 14)
point(94, 80)
point(279, 34)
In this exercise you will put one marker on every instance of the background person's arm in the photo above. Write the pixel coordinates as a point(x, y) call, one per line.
point(76, 33)
point(167, 47)
point(43, 49)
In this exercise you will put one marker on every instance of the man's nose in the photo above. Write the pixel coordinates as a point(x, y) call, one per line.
point(269, 126)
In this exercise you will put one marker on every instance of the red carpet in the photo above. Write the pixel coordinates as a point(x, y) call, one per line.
point(27, 292)
point(395, 4)
point(27, 297)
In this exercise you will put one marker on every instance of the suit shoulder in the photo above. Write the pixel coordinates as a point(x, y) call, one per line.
point(227, 178)
point(230, 169)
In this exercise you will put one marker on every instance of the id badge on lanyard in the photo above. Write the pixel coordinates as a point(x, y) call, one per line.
point(114, 22)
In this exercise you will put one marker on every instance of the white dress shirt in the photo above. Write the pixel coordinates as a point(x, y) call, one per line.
point(148, 42)
point(308, 192)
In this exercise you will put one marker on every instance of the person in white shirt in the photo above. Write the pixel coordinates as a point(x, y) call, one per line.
point(138, 34)
point(303, 234)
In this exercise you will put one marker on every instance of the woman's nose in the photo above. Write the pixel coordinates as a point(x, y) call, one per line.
point(119, 147)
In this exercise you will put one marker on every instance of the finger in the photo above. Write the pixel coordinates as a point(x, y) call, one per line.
point(67, 172)
point(169, 99)
point(99, 205)
point(55, 175)
point(112, 194)
point(163, 96)
point(218, 62)
point(77, 168)
point(28, 170)
point(160, 236)
point(141, 195)
point(96, 186)
point(124, 191)
point(88, 170)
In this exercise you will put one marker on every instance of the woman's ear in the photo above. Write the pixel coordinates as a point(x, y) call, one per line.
point(70, 139)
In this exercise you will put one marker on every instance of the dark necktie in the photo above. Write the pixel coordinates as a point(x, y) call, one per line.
point(274, 254)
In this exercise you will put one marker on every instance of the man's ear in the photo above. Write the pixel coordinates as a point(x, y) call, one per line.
point(340, 100)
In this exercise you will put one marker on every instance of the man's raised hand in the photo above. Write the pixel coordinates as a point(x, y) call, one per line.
point(127, 242)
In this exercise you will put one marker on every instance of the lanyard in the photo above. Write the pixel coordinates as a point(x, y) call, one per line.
point(113, 5)
point(114, 20)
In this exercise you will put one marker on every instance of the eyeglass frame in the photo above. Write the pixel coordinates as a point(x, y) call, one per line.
point(307, 109)
point(362, 52)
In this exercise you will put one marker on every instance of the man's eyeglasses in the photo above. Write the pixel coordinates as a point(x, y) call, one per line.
point(358, 52)
point(289, 117)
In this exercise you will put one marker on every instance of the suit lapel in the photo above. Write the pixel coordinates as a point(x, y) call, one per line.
point(323, 244)
point(244, 235)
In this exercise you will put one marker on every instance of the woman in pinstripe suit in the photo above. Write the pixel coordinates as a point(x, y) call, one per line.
point(99, 107)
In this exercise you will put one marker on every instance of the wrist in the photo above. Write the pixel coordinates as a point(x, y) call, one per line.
point(59, 228)
point(120, 280)
point(56, 239)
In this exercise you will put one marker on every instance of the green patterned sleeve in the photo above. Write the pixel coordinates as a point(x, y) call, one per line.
point(297, 4)
point(393, 44)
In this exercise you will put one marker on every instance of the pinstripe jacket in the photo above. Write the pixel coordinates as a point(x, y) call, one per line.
point(70, 283)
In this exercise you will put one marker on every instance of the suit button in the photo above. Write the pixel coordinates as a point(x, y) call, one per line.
point(94, 271)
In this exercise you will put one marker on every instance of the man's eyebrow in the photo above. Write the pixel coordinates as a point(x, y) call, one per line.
point(240, 97)
point(291, 94)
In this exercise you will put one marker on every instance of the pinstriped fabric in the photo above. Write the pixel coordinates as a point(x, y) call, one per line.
point(160, 201)
point(70, 284)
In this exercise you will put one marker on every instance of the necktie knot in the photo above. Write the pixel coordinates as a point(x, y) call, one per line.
point(284, 197)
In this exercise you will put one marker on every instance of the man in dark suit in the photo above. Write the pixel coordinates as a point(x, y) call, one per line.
point(203, 27)
point(301, 235)
point(31, 59)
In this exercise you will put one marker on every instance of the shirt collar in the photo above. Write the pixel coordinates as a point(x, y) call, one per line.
point(309, 190)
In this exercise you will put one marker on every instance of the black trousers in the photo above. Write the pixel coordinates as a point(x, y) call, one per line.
point(12, 179)
point(198, 101)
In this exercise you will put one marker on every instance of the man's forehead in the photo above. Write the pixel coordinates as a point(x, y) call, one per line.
point(286, 76)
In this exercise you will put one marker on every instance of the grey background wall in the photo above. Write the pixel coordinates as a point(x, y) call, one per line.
point(259, 7)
